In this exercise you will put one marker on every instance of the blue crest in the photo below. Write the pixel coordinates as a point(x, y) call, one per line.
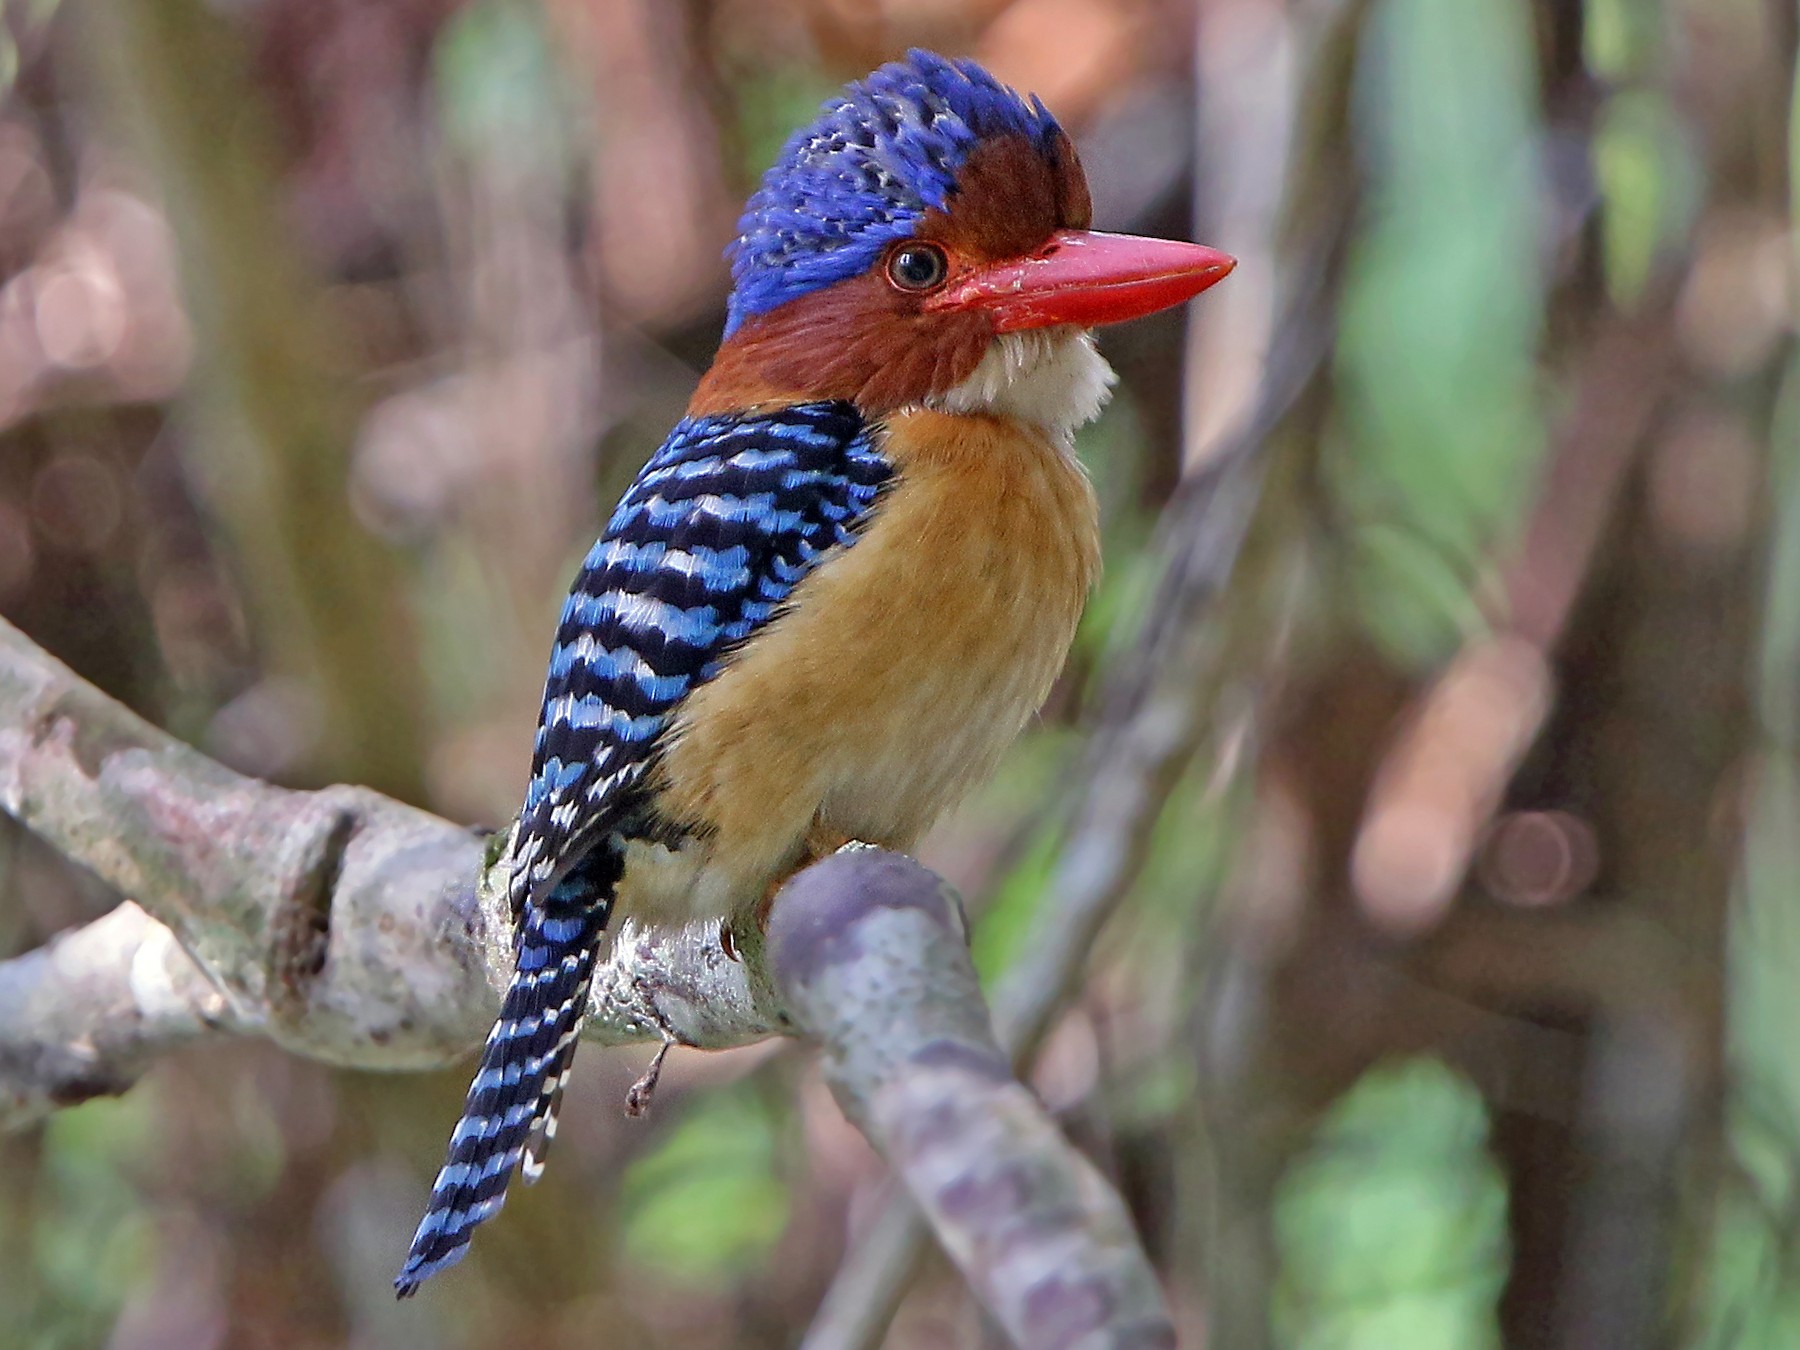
point(879, 156)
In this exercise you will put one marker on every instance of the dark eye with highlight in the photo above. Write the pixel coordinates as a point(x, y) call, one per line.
point(918, 267)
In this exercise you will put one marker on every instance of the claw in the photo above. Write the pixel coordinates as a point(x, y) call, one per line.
point(637, 1099)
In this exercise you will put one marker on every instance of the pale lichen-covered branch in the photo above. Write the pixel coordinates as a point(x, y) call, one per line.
point(86, 1013)
point(341, 924)
point(870, 951)
point(352, 929)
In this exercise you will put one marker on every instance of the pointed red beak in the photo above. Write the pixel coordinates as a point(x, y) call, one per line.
point(1087, 278)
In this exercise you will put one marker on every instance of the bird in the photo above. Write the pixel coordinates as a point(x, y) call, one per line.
point(844, 583)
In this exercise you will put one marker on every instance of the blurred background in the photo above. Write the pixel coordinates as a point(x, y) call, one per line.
point(1455, 1001)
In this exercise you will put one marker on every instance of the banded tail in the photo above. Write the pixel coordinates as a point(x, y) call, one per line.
point(510, 1114)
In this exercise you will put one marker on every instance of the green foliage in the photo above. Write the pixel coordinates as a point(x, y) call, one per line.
point(1113, 450)
point(89, 1238)
point(1000, 933)
point(26, 19)
point(1778, 683)
point(1649, 188)
point(500, 92)
point(1190, 852)
point(1752, 1297)
point(706, 1204)
point(249, 1171)
point(1441, 318)
point(9, 59)
point(1392, 1227)
point(1751, 1303)
point(770, 105)
point(1621, 38)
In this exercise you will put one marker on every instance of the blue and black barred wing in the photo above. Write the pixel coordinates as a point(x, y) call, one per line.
point(712, 537)
point(705, 546)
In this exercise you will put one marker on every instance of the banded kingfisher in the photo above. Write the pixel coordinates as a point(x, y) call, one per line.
point(847, 579)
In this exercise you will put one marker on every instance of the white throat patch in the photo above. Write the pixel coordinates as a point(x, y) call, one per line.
point(1054, 378)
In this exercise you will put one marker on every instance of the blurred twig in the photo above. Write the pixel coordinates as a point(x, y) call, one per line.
point(1440, 783)
point(273, 424)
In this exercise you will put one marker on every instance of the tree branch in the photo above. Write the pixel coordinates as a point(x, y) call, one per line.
point(84, 1015)
point(353, 929)
point(341, 924)
point(871, 953)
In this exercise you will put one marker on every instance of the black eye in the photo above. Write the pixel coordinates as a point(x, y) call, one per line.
point(918, 267)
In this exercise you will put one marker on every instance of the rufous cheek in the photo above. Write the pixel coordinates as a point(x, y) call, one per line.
point(858, 340)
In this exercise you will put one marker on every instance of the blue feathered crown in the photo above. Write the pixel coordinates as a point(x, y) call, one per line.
point(878, 157)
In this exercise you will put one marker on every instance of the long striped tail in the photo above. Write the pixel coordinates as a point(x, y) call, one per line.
point(510, 1114)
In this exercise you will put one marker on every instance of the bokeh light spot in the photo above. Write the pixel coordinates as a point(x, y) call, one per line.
point(1539, 858)
point(80, 314)
point(76, 502)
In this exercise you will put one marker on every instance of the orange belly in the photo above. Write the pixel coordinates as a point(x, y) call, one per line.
point(901, 672)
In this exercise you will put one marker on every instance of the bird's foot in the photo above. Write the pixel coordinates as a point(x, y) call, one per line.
point(639, 1095)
